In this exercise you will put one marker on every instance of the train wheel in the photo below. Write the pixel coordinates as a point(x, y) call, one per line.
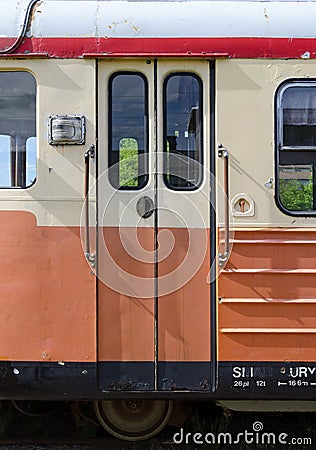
point(133, 420)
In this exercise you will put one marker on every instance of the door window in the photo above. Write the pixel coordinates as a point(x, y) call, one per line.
point(128, 142)
point(296, 147)
point(183, 131)
point(17, 129)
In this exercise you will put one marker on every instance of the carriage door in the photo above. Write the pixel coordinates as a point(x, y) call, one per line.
point(154, 308)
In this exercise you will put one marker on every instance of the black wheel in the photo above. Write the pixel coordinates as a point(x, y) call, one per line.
point(133, 420)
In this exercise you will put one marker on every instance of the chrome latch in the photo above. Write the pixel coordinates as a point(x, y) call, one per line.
point(222, 259)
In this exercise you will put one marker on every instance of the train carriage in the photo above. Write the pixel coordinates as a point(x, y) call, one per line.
point(157, 205)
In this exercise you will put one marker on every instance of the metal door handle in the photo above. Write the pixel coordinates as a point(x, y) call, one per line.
point(90, 153)
point(223, 153)
point(145, 207)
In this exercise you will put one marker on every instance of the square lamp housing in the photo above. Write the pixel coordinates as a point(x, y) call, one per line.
point(66, 130)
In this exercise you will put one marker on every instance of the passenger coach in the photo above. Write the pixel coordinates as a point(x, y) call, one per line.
point(157, 206)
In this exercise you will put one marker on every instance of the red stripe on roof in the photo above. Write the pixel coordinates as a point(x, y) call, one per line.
point(244, 47)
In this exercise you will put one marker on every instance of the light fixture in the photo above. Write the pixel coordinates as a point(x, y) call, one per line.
point(66, 129)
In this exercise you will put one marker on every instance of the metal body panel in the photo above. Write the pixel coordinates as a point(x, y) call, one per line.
point(187, 28)
point(238, 380)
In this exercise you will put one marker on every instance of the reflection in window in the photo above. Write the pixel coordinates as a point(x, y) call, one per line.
point(31, 160)
point(17, 129)
point(128, 148)
point(299, 116)
point(183, 131)
point(296, 147)
point(5, 173)
point(128, 166)
point(296, 187)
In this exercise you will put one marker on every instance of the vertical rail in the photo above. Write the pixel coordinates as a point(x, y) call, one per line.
point(223, 153)
point(90, 153)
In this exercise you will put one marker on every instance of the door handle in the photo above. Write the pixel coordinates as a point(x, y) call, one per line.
point(90, 153)
point(223, 153)
point(145, 207)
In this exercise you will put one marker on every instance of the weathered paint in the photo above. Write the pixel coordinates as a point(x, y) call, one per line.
point(47, 303)
point(219, 28)
point(125, 314)
point(172, 19)
point(126, 322)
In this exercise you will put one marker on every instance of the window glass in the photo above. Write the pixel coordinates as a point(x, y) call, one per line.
point(298, 105)
point(128, 170)
point(17, 129)
point(128, 148)
point(5, 172)
point(296, 147)
point(31, 160)
point(183, 131)
point(296, 187)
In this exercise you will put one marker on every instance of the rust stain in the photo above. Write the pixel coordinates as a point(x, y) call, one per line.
point(113, 25)
point(34, 10)
point(135, 28)
point(266, 14)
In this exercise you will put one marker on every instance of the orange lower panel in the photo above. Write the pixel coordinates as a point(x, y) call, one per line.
point(126, 318)
point(184, 314)
point(267, 307)
point(267, 347)
point(47, 299)
point(126, 276)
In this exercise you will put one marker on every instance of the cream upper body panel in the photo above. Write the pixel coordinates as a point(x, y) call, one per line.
point(245, 115)
point(57, 195)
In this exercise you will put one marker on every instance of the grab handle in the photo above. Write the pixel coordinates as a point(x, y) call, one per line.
point(223, 153)
point(90, 153)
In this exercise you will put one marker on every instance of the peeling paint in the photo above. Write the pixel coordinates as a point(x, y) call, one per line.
point(96, 20)
point(135, 28)
point(113, 25)
point(266, 16)
point(203, 385)
point(306, 55)
point(45, 356)
point(127, 385)
point(34, 11)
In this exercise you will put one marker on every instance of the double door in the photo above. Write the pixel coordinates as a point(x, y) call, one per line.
point(156, 232)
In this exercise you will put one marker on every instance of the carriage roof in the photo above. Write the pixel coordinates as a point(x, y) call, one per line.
point(193, 26)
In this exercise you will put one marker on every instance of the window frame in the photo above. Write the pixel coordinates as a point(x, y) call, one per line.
point(294, 152)
point(23, 188)
point(164, 116)
point(146, 130)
